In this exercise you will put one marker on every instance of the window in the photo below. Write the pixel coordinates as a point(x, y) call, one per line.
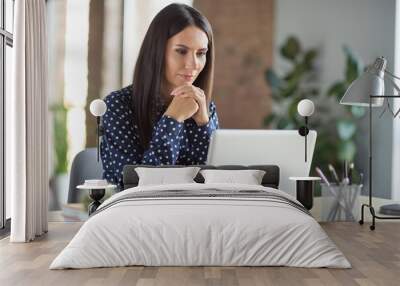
point(6, 44)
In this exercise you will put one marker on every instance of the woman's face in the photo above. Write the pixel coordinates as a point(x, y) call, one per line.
point(185, 57)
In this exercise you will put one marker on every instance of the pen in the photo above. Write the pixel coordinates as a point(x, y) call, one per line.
point(345, 179)
point(361, 179)
point(333, 192)
point(334, 174)
point(321, 174)
point(351, 168)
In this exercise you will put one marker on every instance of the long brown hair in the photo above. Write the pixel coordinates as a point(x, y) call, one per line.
point(149, 69)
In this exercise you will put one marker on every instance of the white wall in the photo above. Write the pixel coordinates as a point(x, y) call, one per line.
point(396, 123)
point(368, 28)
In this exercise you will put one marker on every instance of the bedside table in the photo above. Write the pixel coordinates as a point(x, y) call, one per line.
point(96, 193)
point(305, 190)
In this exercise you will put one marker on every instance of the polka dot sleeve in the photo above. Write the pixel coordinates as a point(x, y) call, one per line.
point(165, 142)
point(119, 143)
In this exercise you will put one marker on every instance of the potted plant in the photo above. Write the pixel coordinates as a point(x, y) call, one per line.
point(59, 179)
point(334, 145)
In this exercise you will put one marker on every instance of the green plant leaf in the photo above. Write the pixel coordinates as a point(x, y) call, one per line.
point(326, 149)
point(309, 58)
point(292, 111)
point(337, 89)
point(293, 80)
point(314, 92)
point(297, 73)
point(358, 111)
point(347, 150)
point(277, 95)
point(284, 123)
point(346, 129)
point(272, 79)
point(353, 67)
point(60, 138)
point(351, 71)
point(269, 119)
point(291, 49)
point(289, 89)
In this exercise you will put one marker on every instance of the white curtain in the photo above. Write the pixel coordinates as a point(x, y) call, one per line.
point(28, 178)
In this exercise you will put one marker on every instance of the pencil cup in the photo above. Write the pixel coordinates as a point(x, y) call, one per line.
point(340, 202)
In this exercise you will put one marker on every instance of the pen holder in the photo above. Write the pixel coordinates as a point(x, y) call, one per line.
point(340, 202)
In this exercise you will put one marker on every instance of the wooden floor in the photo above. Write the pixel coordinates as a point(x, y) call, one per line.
point(375, 257)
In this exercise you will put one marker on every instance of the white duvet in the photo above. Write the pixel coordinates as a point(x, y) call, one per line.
point(200, 231)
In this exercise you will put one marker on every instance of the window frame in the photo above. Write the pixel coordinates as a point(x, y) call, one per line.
point(6, 39)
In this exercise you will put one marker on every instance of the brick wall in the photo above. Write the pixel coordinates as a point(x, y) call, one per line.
point(243, 33)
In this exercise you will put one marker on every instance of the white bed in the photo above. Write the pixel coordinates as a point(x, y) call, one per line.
point(185, 230)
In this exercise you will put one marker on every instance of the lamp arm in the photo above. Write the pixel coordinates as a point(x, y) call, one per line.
point(391, 74)
point(396, 87)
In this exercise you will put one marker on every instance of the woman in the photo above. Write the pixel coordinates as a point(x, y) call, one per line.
point(166, 116)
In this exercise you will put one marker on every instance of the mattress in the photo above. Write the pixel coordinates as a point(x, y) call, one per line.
point(201, 225)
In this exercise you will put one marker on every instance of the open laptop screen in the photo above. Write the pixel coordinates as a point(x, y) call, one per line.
point(284, 148)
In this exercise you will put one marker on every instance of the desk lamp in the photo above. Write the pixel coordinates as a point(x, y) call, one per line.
point(368, 90)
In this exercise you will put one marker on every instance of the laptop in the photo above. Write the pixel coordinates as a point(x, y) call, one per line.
point(284, 148)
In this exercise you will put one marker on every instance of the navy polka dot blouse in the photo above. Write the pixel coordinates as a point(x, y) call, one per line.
point(172, 143)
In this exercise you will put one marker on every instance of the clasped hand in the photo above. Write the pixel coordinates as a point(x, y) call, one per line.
point(189, 101)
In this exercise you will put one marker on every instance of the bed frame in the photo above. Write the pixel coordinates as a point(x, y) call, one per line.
point(270, 179)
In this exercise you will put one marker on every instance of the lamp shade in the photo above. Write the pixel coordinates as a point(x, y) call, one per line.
point(369, 83)
point(98, 107)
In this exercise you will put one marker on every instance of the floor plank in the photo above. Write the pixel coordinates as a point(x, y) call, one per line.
point(375, 257)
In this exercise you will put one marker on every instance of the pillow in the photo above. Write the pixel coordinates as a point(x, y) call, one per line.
point(249, 177)
point(162, 176)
